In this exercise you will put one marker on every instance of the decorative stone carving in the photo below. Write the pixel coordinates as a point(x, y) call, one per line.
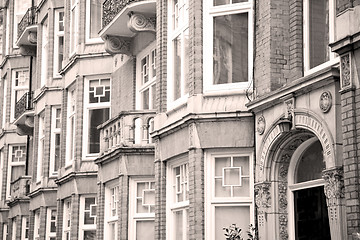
point(140, 23)
point(345, 71)
point(261, 125)
point(325, 101)
point(262, 195)
point(289, 108)
point(334, 186)
point(27, 50)
point(117, 45)
point(32, 37)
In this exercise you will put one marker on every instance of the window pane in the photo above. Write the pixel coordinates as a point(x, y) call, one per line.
point(61, 52)
point(16, 172)
point(179, 225)
point(319, 31)
point(95, 18)
point(145, 230)
point(96, 117)
point(221, 191)
point(88, 219)
point(222, 2)
point(186, 61)
point(89, 235)
point(230, 48)
point(153, 96)
point(242, 162)
point(57, 152)
point(177, 68)
point(311, 164)
point(227, 215)
point(145, 98)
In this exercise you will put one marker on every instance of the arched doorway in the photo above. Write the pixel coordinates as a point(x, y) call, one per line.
point(307, 204)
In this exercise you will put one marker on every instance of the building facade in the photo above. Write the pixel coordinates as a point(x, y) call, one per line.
point(172, 119)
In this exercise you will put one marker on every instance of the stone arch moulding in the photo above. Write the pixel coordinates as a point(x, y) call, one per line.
point(303, 119)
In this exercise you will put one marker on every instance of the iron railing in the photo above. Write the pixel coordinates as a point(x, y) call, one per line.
point(28, 19)
point(112, 7)
point(24, 104)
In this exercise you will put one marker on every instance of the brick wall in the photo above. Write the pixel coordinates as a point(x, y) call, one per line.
point(123, 206)
point(42, 227)
point(75, 208)
point(63, 128)
point(100, 211)
point(59, 218)
point(160, 199)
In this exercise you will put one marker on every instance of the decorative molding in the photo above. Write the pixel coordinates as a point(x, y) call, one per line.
point(325, 101)
point(262, 195)
point(345, 72)
point(32, 37)
point(139, 23)
point(334, 186)
point(261, 125)
point(194, 141)
point(117, 45)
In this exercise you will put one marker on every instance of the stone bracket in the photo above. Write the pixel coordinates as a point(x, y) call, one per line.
point(117, 45)
point(32, 37)
point(139, 23)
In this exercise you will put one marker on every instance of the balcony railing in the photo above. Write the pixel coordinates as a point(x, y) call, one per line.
point(28, 19)
point(20, 187)
point(128, 128)
point(24, 104)
point(112, 7)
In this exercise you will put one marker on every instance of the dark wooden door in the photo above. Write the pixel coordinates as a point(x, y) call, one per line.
point(311, 216)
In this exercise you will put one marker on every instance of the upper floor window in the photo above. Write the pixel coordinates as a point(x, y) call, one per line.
point(44, 52)
point(228, 56)
point(58, 41)
point(97, 111)
point(71, 126)
point(51, 224)
point(178, 51)
point(146, 78)
point(319, 27)
point(16, 166)
point(20, 8)
point(229, 192)
point(74, 12)
point(93, 20)
point(55, 140)
point(20, 86)
point(87, 217)
point(41, 147)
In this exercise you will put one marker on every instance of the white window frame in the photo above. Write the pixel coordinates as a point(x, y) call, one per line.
point(4, 107)
point(54, 131)
point(85, 227)
point(13, 164)
point(88, 39)
point(37, 224)
point(171, 204)
point(209, 13)
point(13, 232)
point(92, 106)
point(57, 35)
point(133, 216)
point(5, 231)
point(25, 225)
point(7, 43)
point(17, 88)
point(172, 35)
point(49, 234)
point(111, 204)
point(44, 51)
point(74, 23)
point(70, 132)
point(2, 160)
point(67, 217)
point(333, 58)
point(211, 201)
point(41, 147)
point(140, 86)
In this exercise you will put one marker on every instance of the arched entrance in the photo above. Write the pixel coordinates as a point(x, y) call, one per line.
point(297, 176)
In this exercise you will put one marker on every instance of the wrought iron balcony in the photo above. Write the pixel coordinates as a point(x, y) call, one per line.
point(127, 129)
point(24, 104)
point(112, 7)
point(28, 19)
point(20, 188)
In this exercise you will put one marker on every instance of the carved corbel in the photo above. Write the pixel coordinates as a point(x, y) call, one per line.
point(262, 196)
point(32, 37)
point(345, 72)
point(27, 50)
point(117, 45)
point(334, 186)
point(139, 23)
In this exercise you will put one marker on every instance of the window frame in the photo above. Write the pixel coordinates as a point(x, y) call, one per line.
point(13, 164)
point(37, 224)
point(172, 35)
point(82, 226)
point(333, 58)
point(17, 88)
point(222, 10)
point(57, 35)
point(41, 147)
point(74, 26)
point(67, 218)
point(20, 15)
point(133, 216)
point(88, 39)
point(71, 119)
point(50, 235)
point(141, 87)
point(171, 205)
point(25, 226)
point(109, 218)
point(4, 103)
point(44, 51)
point(14, 226)
point(211, 202)
point(92, 106)
point(54, 131)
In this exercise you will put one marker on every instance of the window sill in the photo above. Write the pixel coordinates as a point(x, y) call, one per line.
point(173, 106)
point(226, 92)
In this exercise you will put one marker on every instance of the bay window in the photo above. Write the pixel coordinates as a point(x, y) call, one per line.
point(55, 140)
point(319, 25)
point(111, 211)
point(16, 166)
point(178, 51)
point(70, 136)
point(97, 111)
point(141, 209)
point(178, 201)
point(67, 220)
point(41, 147)
point(58, 41)
point(229, 192)
point(87, 218)
point(93, 20)
point(228, 56)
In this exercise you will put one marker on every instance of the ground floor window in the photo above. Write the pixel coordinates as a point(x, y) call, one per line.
point(111, 210)
point(51, 224)
point(87, 229)
point(67, 219)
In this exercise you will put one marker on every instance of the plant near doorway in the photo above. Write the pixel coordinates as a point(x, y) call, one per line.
point(234, 233)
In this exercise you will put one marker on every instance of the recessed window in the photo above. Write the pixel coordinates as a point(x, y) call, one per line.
point(58, 41)
point(51, 224)
point(228, 57)
point(55, 140)
point(71, 126)
point(93, 20)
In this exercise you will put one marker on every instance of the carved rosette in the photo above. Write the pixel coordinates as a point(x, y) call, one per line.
point(261, 124)
point(325, 101)
point(117, 45)
point(32, 37)
point(334, 186)
point(262, 196)
point(140, 23)
point(345, 70)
